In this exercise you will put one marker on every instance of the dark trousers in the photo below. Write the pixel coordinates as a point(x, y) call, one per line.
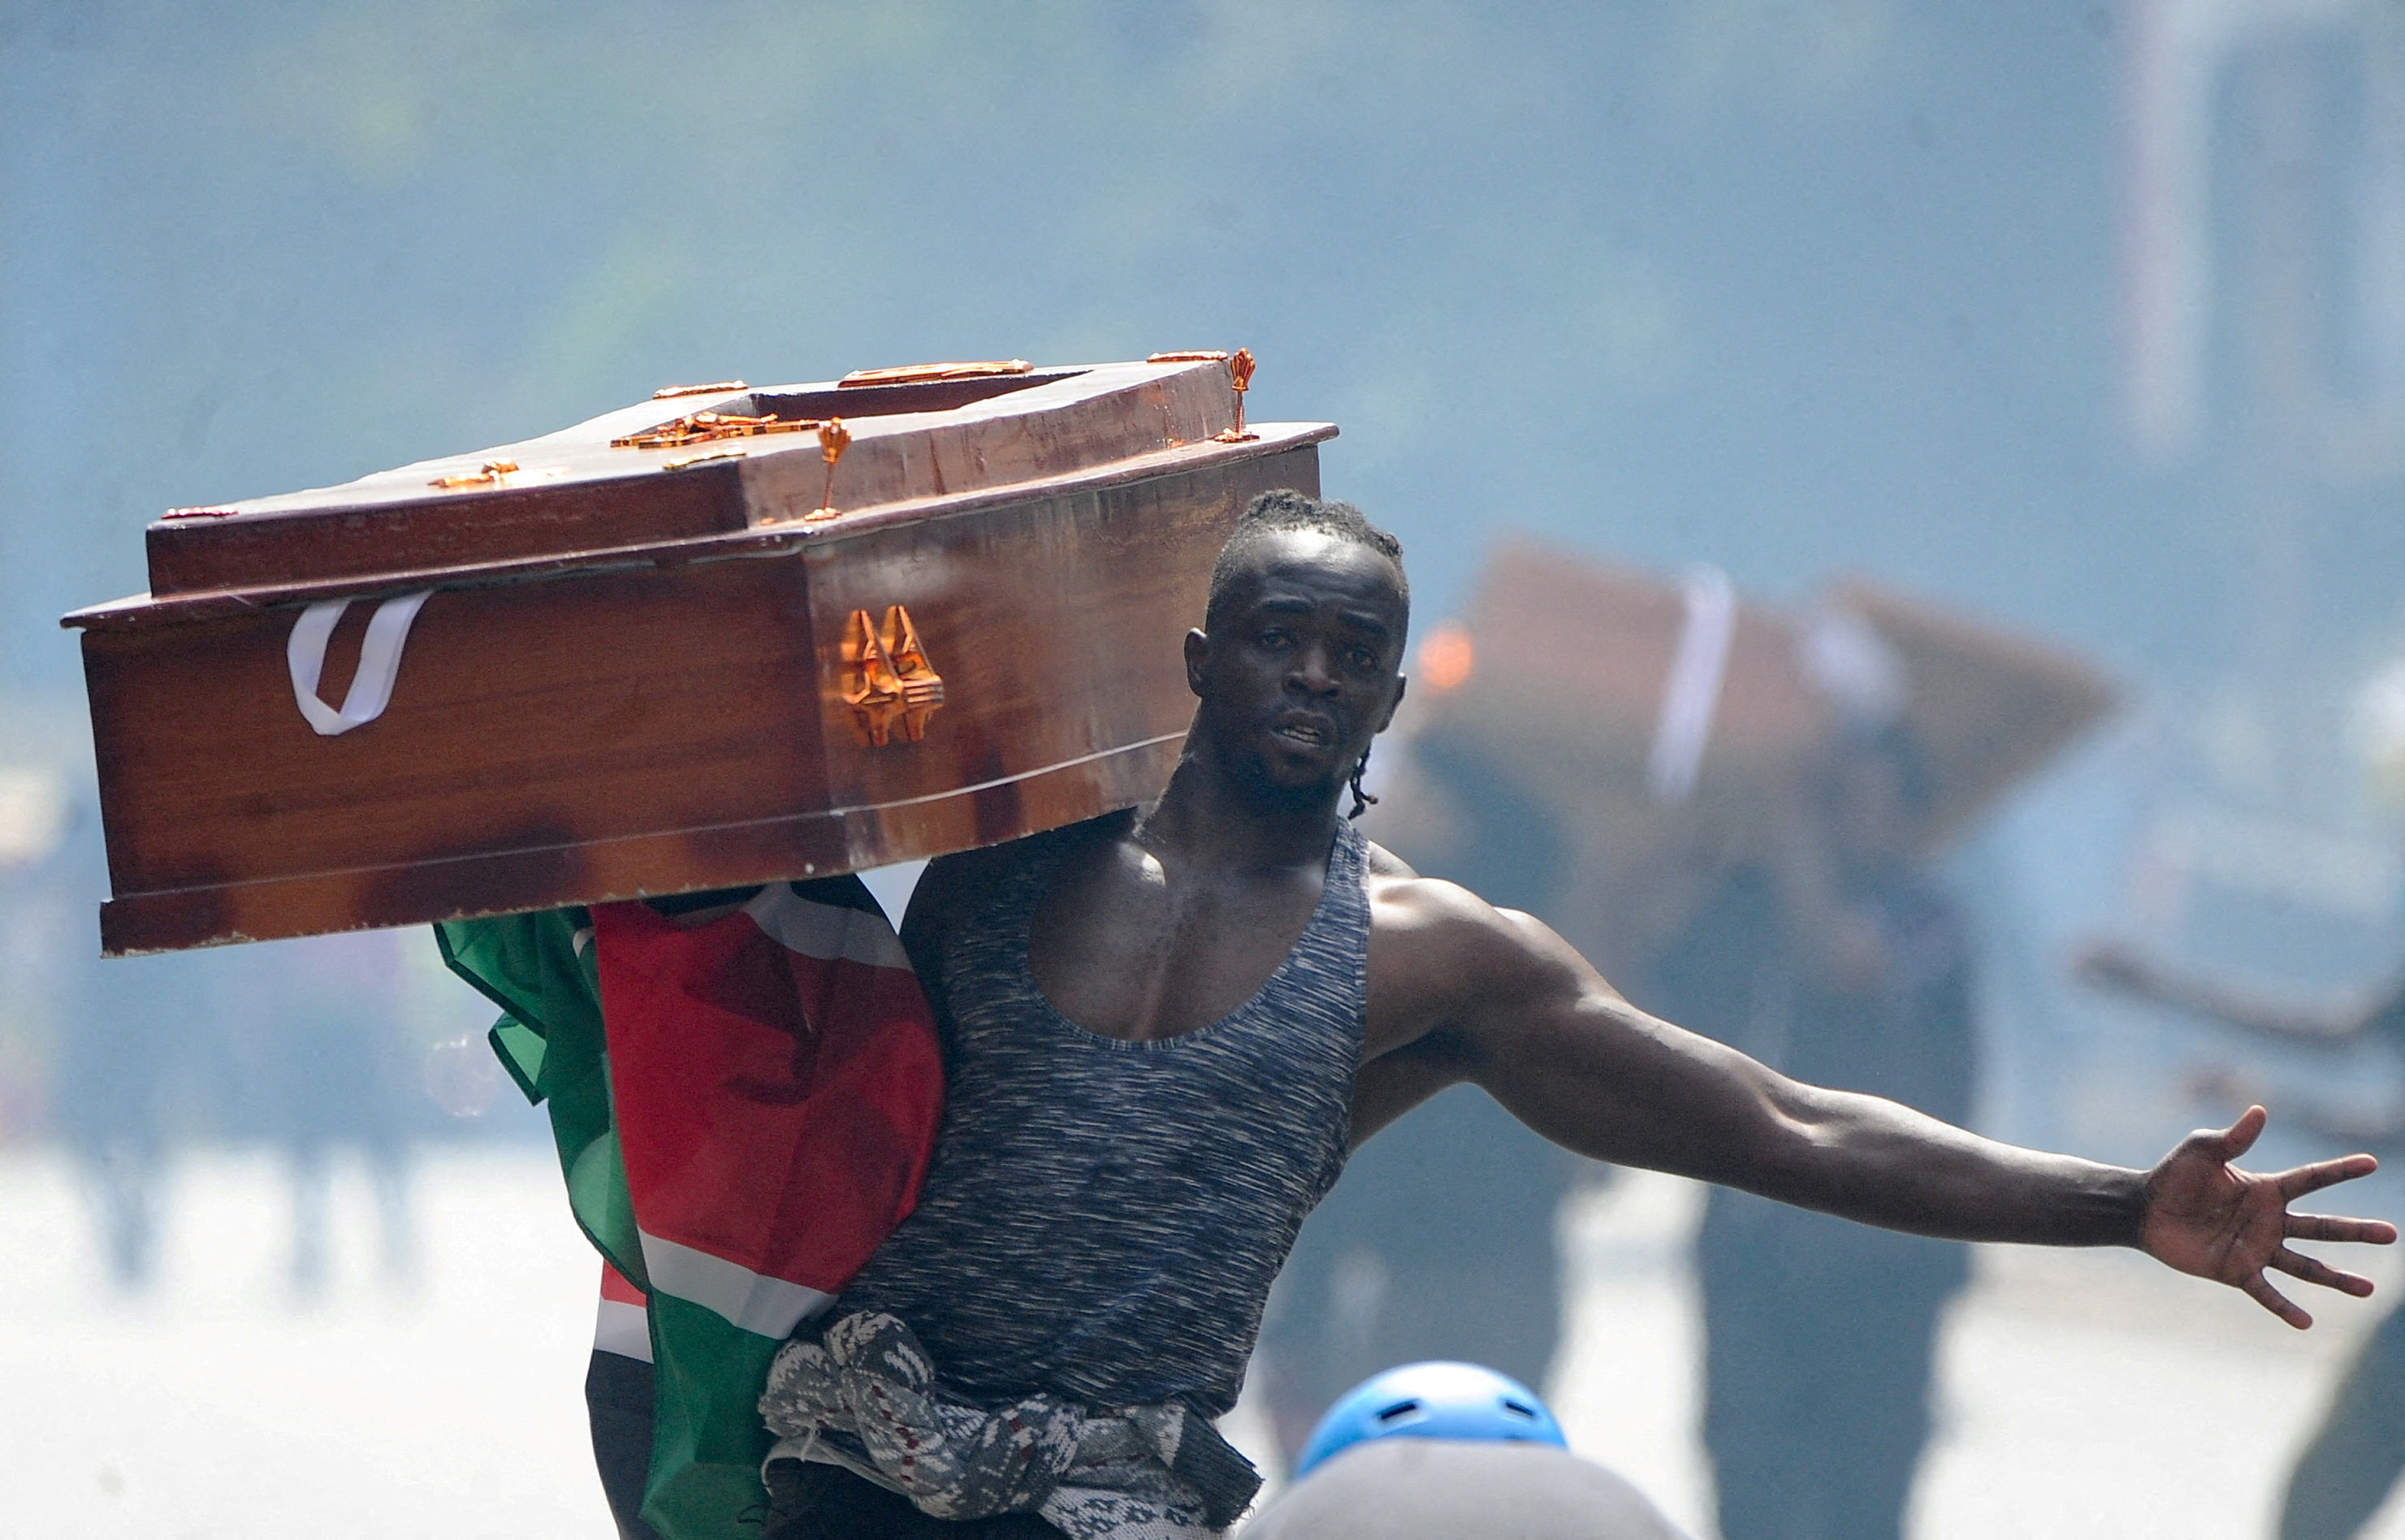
point(2345, 1473)
point(812, 1501)
point(817, 1502)
point(1820, 1339)
point(618, 1404)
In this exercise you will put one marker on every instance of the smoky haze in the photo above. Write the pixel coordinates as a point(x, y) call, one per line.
point(1780, 287)
point(2085, 319)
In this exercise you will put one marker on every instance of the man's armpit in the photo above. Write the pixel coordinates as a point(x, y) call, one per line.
point(1392, 1084)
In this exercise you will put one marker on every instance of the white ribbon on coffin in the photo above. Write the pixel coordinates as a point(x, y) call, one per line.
point(370, 688)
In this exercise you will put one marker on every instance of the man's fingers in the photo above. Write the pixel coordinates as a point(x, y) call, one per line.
point(2235, 1140)
point(2296, 1183)
point(2369, 1232)
point(2228, 1144)
point(2313, 1270)
point(2260, 1291)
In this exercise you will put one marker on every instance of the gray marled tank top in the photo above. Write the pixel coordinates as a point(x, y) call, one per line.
point(1102, 1218)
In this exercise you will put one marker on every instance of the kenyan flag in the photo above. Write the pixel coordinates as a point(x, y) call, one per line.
point(744, 1108)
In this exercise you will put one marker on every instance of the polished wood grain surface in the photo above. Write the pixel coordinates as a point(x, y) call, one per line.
point(569, 729)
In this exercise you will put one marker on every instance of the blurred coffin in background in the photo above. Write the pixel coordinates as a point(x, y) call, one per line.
point(1987, 707)
point(1664, 724)
point(639, 657)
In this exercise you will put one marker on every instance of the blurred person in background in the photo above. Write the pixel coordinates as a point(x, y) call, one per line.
point(1841, 961)
point(2346, 1471)
point(154, 1054)
point(2356, 1455)
point(136, 1065)
point(318, 1040)
point(1741, 806)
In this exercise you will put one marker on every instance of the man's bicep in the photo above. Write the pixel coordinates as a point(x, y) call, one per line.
point(1566, 1056)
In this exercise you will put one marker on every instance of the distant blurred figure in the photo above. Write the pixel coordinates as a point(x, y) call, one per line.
point(1441, 1451)
point(1843, 961)
point(116, 1080)
point(2345, 1473)
point(1734, 810)
point(316, 1041)
point(128, 1077)
point(154, 1053)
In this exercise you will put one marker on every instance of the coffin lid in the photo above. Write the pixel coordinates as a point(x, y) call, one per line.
point(574, 501)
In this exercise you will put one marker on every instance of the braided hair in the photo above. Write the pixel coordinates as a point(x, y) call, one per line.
point(1285, 511)
point(1362, 800)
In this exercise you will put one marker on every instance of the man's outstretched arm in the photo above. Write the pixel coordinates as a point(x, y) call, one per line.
point(1529, 1019)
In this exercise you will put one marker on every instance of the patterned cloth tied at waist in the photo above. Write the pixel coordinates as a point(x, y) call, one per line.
point(864, 1396)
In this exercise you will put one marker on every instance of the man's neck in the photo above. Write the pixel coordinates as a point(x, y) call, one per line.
point(1213, 821)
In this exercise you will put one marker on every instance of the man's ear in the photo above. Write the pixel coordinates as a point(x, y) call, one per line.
point(1198, 659)
point(1389, 720)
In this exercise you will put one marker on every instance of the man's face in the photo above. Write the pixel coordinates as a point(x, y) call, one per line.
point(1302, 668)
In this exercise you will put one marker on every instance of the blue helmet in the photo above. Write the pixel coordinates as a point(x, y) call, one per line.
point(1432, 1400)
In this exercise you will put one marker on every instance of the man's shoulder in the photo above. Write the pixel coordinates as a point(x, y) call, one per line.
point(1401, 898)
point(1429, 922)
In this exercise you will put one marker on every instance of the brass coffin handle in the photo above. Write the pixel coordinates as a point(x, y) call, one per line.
point(887, 680)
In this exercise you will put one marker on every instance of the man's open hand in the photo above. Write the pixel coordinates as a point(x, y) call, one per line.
point(2208, 1217)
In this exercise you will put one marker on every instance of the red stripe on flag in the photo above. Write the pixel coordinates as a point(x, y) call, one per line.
point(775, 1111)
point(617, 1289)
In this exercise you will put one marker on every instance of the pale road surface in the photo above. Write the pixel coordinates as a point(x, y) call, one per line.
point(2086, 1395)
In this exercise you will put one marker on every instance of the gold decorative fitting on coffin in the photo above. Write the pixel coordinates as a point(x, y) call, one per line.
point(887, 680)
point(1240, 374)
point(709, 428)
point(199, 513)
point(703, 459)
point(834, 439)
point(490, 474)
point(917, 373)
point(669, 392)
point(1191, 355)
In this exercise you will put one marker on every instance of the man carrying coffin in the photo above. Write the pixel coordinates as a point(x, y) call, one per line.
point(1165, 1028)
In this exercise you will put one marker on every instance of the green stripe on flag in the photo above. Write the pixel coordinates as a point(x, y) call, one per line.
point(707, 1439)
point(519, 1047)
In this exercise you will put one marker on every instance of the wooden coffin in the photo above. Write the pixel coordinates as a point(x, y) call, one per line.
point(655, 665)
point(1989, 707)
